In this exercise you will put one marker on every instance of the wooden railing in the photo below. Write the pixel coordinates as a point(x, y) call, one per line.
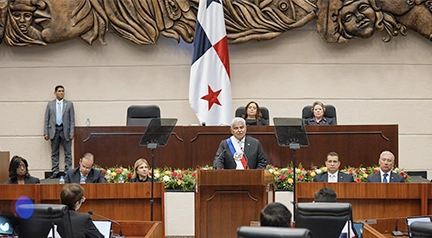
point(127, 203)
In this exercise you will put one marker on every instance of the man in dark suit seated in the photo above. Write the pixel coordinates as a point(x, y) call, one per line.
point(275, 214)
point(72, 195)
point(325, 195)
point(240, 151)
point(85, 169)
point(385, 175)
point(333, 175)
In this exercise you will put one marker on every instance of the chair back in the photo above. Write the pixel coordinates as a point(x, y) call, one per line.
point(421, 229)
point(272, 232)
point(141, 115)
point(330, 112)
point(264, 111)
point(323, 219)
point(42, 218)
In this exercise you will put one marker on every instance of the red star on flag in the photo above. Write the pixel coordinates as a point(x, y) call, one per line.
point(212, 97)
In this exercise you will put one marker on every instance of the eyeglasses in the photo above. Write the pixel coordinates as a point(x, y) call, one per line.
point(86, 168)
point(83, 199)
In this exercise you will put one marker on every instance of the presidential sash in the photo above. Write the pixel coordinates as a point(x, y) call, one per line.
point(237, 153)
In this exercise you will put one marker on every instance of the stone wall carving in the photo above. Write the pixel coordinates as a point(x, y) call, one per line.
point(41, 22)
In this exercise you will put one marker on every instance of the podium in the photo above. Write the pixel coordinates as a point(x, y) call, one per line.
point(228, 199)
point(4, 166)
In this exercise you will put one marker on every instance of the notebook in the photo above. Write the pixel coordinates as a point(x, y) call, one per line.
point(104, 227)
point(410, 220)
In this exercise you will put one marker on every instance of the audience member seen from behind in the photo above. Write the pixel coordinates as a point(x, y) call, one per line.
point(333, 175)
point(72, 195)
point(275, 214)
point(385, 174)
point(18, 172)
point(325, 195)
point(85, 168)
point(240, 151)
point(141, 171)
point(253, 116)
point(318, 119)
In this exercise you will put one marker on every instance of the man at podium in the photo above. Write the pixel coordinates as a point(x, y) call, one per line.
point(240, 151)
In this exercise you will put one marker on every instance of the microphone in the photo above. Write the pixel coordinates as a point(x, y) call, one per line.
point(396, 232)
point(120, 233)
point(221, 155)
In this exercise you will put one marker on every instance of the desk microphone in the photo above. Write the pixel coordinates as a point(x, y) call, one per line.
point(120, 233)
point(396, 232)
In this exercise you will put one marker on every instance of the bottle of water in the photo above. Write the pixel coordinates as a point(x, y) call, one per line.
point(83, 179)
point(88, 123)
point(61, 181)
point(121, 179)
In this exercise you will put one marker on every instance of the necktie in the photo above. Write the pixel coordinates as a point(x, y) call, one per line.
point(385, 178)
point(59, 114)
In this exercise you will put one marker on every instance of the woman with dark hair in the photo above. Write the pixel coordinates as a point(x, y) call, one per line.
point(253, 116)
point(18, 172)
point(141, 171)
point(72, 195)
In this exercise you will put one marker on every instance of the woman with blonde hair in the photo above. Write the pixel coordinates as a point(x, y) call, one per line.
point(141, 171)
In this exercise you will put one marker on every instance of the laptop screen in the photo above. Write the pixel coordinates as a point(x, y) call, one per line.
point(410, 220)
point(6, 226)
point(358, 229)
point(104, 227)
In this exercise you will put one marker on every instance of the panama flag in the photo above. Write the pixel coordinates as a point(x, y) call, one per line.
point(210, 86)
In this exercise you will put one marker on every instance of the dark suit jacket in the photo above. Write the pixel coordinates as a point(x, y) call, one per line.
point(262, 122)
point(394, 178)
point(342, 177)
point(82, 225)
point(137, 180)
point(324, 122)
point(74, 176)
point(68, 119)
point(28, 180)
point(253, 152)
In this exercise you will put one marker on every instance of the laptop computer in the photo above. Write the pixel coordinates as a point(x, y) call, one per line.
point(358, 229)
point(410, 220)
point(104, 227)
point(6, 226)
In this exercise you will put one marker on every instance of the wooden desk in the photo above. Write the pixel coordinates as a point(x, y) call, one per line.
point(128, 202)
point(191, 146)
point(376, 200)
point(4, 166)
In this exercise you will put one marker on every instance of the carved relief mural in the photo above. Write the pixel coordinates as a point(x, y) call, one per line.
point(41, 22)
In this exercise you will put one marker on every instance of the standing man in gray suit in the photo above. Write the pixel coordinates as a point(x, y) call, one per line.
point(385, 174)
point(59, 128)
point(333, 175)
point(240, 151)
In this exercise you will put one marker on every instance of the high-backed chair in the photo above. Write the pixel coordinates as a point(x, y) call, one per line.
point(42, 218)
point(264, 111)
point(330, 112)
point(272, 232)
point(421, 229)
point(141, 115)
point(323, 219)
